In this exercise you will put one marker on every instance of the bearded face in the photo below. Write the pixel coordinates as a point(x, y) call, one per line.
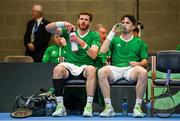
point(83, 22)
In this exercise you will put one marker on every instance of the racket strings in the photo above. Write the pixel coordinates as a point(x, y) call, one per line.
point(164, 105)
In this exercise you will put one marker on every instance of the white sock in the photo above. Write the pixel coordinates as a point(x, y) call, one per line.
point(60, 99)
point(90, 99)
point(138, 102)
point(107, 101)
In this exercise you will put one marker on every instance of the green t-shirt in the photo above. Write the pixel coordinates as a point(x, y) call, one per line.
point(125, 52)
point(81, 57)
point(53, 53)
point(178, 47)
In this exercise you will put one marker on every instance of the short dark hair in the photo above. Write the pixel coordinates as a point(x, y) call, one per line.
point(130, 17)
point(86, 13)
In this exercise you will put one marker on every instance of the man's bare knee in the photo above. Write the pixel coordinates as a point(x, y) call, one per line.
point(58, 72)
point(103, 73)
point(140, 70)
point(90, 71)
point(137, 72)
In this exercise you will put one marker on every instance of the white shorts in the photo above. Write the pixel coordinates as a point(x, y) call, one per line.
point(120, 72)
point(74, 70)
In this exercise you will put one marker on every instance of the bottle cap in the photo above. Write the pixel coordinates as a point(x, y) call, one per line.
point(72, 33)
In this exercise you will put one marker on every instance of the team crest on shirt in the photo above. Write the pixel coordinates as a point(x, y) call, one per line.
point(53, 53)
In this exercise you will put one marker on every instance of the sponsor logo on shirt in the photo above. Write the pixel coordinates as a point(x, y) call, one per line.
point(119, 45)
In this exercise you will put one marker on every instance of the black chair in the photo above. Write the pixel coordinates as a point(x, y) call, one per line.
point(164, 60)
point(75, 83)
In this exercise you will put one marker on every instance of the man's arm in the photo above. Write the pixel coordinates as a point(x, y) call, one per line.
point(105, 46)
point(56, 27)
point(143, 63)
point(91, 51)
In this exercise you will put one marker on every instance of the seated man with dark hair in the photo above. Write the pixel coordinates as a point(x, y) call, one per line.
point(129, 60)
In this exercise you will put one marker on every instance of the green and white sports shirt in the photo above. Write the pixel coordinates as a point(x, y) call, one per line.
point(81, 57)
point(53, 53)
point(125, 52)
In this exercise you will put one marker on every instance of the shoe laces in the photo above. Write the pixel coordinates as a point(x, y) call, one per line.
point(107, 107)
point(88, 108)
point(138, 108)
point(59, 106)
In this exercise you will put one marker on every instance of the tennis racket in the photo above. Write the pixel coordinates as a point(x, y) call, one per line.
point(164, 105)
point(22, 112)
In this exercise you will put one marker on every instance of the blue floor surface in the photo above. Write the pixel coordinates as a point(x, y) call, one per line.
point(6, 116)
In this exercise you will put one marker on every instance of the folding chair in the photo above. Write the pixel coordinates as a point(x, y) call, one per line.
point(164, 60)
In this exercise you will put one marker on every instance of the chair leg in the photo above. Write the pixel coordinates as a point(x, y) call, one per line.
point(152, 98)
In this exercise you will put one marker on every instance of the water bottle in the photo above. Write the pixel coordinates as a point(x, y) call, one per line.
point(119, 27)
point(124, 107)
point(148, 109)
point(61, 59)
point(48, 108)
point(53, 106)
point(74, 45)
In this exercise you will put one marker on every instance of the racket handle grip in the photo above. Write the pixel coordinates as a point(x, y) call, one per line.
point(168, 76)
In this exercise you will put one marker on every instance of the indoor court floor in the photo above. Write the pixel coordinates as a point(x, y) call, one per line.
point(6, 116)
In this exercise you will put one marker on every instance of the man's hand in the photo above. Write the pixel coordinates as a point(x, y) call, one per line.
point(75, 38)
point(134, 64)
point(114, 29)
point(62, 41)
point(31, 46)
point(70, 27)
point(118, 28)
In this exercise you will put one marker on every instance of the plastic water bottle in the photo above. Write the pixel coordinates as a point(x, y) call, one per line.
point(119, 27)
point(48, 108)
point(53, 106)
point(74, 45)
point(148, 109)
point(124, 107)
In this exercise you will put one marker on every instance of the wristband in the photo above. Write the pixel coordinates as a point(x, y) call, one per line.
point(86, 47)
point(110, 35)
point(60, 24)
